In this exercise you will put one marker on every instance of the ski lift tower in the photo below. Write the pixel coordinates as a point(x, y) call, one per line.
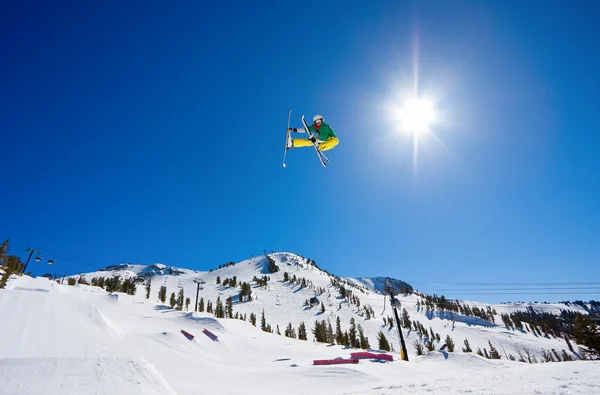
point(395, 306)
point(31, 252)
point(199, 282)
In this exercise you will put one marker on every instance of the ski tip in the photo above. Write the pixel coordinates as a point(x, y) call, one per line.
point(284, 165)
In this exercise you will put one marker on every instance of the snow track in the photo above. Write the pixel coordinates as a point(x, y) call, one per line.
point(78, 376)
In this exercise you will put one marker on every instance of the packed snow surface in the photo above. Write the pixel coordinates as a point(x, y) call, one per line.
point(60, 339)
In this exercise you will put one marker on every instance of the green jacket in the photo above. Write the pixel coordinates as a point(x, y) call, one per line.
point(324, 132)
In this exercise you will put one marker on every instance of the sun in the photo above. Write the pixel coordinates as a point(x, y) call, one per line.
point(416, 115)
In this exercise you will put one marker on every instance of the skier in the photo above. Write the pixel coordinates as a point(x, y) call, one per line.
point(326, 136)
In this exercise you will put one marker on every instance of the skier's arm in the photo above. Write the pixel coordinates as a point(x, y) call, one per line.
point(298, 130)
point(311, 129)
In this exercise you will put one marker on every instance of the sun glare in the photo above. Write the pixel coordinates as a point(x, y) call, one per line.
point(416, 115)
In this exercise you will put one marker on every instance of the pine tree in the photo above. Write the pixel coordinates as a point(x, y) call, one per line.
point(229, 309)
point(494, 354)
point(14, 265)
point(406, 323)
point(209, 307)
point(449, 343)
point(108, 284)
point(9, 263)
point(566, 356)
point(352, 334)
point(383, 342)
point(187, 303)
point(364, 341)
point(272, 267)
point(467, 347)
point(253, 319)
point(219, 310)
point(113, 284)
point(339, 336)
point(346, 339)
point(320, 332)
point(569, 344)
point(419, 347)
point(586, 332)
point(289, 331)
point(430, 346)
point(322, 307)
point(128, 286)
point(557, 355)
point(218, 280)
point(245, 292)
point(173, 300)
point(302, 331)
point(201, 305)
point(330, 338)
point(4, 250)
point(263, 321)
point(148, 285)
point(4, 279)
point(180, 299)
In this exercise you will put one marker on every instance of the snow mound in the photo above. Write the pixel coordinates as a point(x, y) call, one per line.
point(202, 319)
point(464, 360)
point(94, 315)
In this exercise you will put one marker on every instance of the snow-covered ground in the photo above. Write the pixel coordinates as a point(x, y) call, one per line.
point(60, 339)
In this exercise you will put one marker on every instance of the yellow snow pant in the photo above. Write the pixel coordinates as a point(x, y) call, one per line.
point(324, 146)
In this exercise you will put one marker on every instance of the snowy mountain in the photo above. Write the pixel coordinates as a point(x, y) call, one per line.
point(382, 284)
point(83, 339)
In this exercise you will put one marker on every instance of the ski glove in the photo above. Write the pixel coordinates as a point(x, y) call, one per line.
point(313, 139)
point(292, 130)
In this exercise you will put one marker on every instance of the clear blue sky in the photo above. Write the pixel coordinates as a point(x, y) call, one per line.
point(153, 132)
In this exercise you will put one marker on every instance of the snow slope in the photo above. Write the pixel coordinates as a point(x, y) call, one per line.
point(283, 303)
point(81, 339)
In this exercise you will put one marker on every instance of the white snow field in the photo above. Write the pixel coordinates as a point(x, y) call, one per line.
point(60, 339)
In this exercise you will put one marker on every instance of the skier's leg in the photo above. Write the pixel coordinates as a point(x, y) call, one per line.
point(302, 143)
point(329, 143)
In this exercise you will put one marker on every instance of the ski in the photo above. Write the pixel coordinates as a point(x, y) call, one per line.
point(287, 135)
point(320, 153)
